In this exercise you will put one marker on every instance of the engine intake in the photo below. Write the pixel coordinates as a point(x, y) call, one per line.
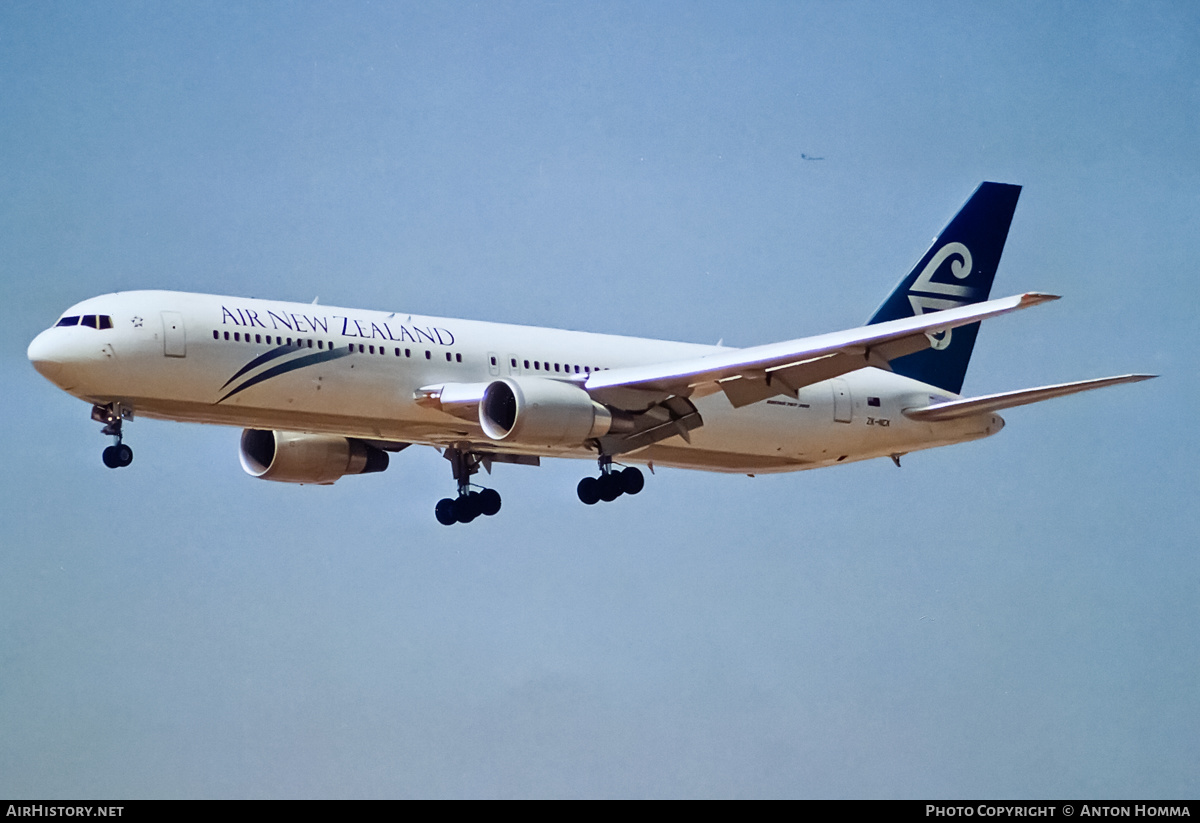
point(292, 457)
point(535, 411)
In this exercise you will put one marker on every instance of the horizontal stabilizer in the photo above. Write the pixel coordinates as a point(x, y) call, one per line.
point(953, 409)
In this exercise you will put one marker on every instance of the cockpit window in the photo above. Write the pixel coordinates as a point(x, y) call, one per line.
point(92, 321)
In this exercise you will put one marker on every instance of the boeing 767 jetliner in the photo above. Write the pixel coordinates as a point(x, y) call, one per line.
point(323, 392)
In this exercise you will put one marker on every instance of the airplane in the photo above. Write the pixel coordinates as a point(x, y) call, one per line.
point(324, 392)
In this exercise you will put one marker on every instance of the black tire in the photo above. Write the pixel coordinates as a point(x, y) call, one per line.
point(110, 458)
point(444, 511)
point(589, 491)
point(466, 508)
point(489, 502)
point(124, 455)
point(610, 487)
point(632, 480)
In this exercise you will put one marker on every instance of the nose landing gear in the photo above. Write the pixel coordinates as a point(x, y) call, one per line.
point(117, 457)
point(112, 415)
point(610, 484)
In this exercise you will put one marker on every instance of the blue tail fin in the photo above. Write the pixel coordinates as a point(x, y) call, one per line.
point(957, 270)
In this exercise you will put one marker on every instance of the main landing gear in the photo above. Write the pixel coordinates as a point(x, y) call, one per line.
point(112, 415)
point(469, 504)
point(610, 484)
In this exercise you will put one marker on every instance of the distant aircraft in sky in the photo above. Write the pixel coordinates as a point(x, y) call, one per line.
point(807, 157)
point(323, 392)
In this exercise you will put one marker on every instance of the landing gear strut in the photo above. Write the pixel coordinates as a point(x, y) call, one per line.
point(610, 484)
point(469, 504)
point(112, 415)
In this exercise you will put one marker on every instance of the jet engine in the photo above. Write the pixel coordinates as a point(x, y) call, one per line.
point(534, 411)
point(292, 457)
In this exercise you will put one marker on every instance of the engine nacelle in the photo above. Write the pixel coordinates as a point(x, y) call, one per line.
point(291, 457)
point(535, 411)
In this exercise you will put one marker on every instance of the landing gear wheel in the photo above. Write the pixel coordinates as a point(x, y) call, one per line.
point(444, 511)
point(469, 504)
point(113, 415)
point(609, 487)
point(466, 508)
point(611, 483)
point(632, 480)
point(489, 502)
point(589, 491)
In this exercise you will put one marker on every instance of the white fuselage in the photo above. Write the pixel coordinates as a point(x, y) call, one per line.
point(356, 373)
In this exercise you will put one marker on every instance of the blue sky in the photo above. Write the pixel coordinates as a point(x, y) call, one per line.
point(1011, 618)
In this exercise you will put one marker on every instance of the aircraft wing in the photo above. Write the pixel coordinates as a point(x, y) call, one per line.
point(952, 409)
point(756, 373)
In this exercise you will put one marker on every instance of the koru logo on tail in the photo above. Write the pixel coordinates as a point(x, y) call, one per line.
point(921, 295)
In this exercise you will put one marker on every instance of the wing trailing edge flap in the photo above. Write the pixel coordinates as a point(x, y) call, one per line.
point(486, 459)
point(746, 389)
point(386, 445)
point(753, 374)
point(673, 416)
point(952, 409)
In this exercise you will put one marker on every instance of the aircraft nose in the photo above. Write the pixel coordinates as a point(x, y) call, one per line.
point(48, 357)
